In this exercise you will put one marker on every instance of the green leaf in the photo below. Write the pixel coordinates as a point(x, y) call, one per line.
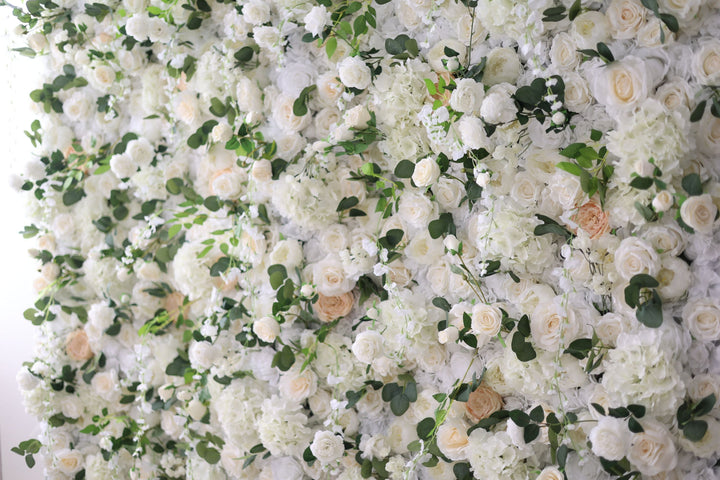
point(698, 112)
point(462, 471)
point(570, 168)
point(695, 430)
point(637, 410)
point(531, 432)
point(641, 183)
point(284, 359)
point(537, 414)
point(347, 202)
point(441, 303)
point(399, 405)
point(650, 313)
point(394, 237)
point(404, 169)
point(73, 196)
point(692, 184)
point(647, 213)
point(277, 274)
point(217, 107)
point(97, 10)
point(528, 95)
point(644, 280)
point(651, 5)
point(244, 55)
point(704, 406)
point(300, 104)
point(220, 266)
point(442, 225)
point(574, 10)
point(670, 21)
point(635, 426)
point(523, 349)
point(425, 428)
point(604, 50)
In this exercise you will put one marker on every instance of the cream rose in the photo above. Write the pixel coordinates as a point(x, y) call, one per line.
point(327, 447)
point(448, 192)
point(706, 63)
point(549, 322)
point(483, 402)
point(635, 256)
point(623, 84)
point(563, 52)
point(577, 92)
point(69, 461)
point(284, 116)
point(486, 320)
point(452, 440)
point(610, 438)
point(699, 213)
point(708, 135)
point(675, 278)
point(550, 473)
point(702, 318)
point(368, 346)
point(652, 451)
point(415, 209)
point(330, 278)
point(329, 308)
point(625, 18)
point(354, 73)
point(426, 172)
point(266, 328)
point(77, 346)
point(297, 386)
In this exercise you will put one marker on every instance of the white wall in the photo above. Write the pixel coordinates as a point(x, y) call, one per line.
point(17, 269)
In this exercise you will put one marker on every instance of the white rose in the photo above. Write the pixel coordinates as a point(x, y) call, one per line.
point(415, 209)
point(467, 96)
point(683, 9)
point(703, 385)
point(652, 451)
point(452, 440)
point(329, 87)
point(623, 84)
point(354, 73)
point(221, 133)
point(267, 38)
point(249, 96)
point(503, 66)
point(699, 213)
point(330, 278)
point(525, 189)
point(635, 256)
point(448, 193)
point(298, 386)
point(186, 108)
point(105, 385)
point(227, 184)
point(325, 120)
point(69, 462)
point(327, 447)
point(284, 116)
point(708, 135)
point(287, 252)
point(261, 170)
point(426, 172)
point(267, 329)
point(550, 322)
point(158, 30)
point(702, 317)
point(674, 94)
point(368, 346)
point(498, 105)
point(37, 41)
point(77, 107)
point(663, 201)
point(486, 320)
point(666, 238)
point(202, 354)
point(550, 473)
point(625, 18)
point(138, 26)
point(316, 19)
point(589, 28)
point(471, 130)
point(424, 249)
point(563, 52)
point(256, 12)
point(357, 117)
point(564, 189)
point(610, 438)
point(609, 327)
point(122, 165)
point(706, 63)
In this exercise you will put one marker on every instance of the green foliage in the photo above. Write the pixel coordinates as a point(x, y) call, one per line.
point(27, 449)
point(400, 397)
point(641, 294)
point(602, 52)
point(551, 226)
point(688, 414)
point(591, 166)
point(300, 104)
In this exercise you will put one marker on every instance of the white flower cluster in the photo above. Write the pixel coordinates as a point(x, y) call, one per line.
point(387, 239)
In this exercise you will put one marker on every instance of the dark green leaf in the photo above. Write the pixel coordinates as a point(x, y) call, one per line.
point(399, 405)
point(641, 183)
point(650, 313)
point(284, 359)
point(695, 430)
point(692, 184)
point(347, 202)
point(531, 432)
point(404, 169)
point(425, 427)
point(220, 266)
point(441, 303)
point(698, 112)
point(72, 196)
point(704, 406)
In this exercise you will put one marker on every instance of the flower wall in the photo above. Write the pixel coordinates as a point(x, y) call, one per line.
point(390, 239)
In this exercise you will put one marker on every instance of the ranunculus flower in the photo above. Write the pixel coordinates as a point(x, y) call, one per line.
point(329, 308)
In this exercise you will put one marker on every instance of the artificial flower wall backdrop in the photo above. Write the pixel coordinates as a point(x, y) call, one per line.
point(397, 239)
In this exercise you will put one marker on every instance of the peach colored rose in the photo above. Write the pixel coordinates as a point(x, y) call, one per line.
point(591, 218)
point(173, 304)
point(329, 308)
point(483, 402)
point(77, 346)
